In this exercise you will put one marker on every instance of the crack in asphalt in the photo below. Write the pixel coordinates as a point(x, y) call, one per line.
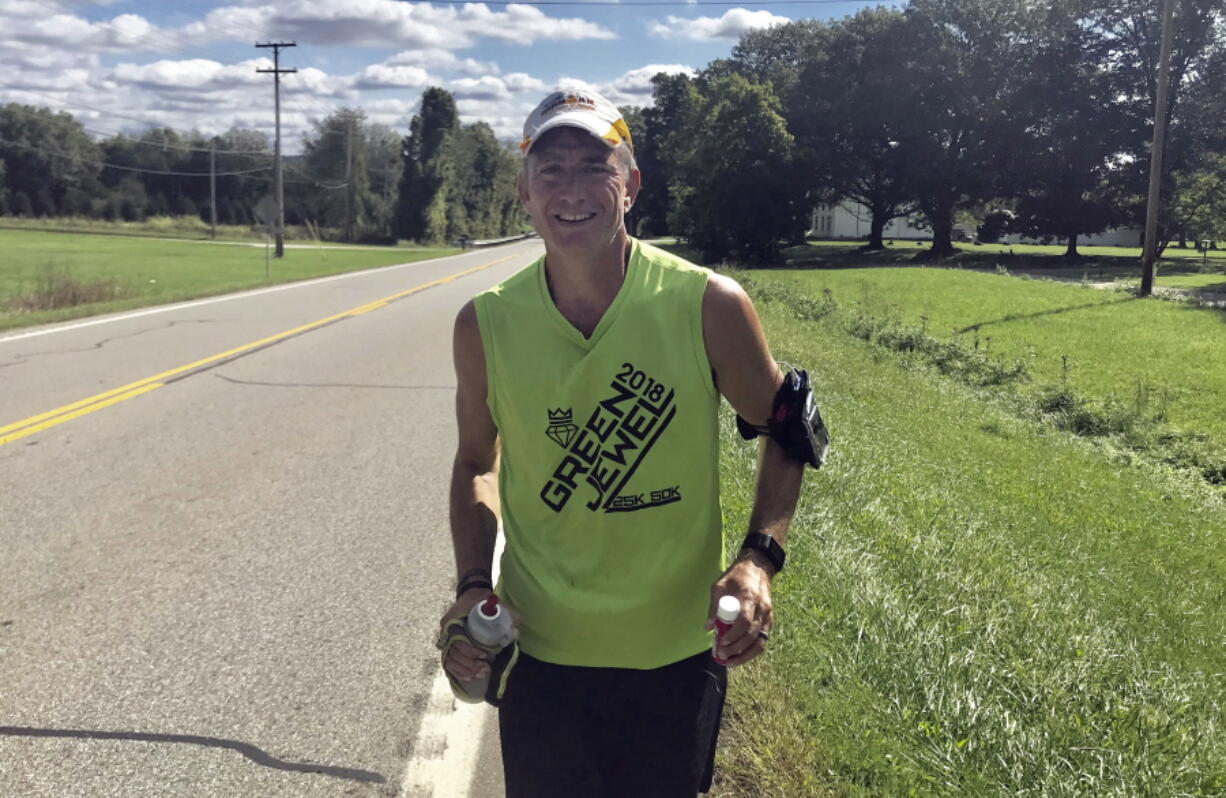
point(237, 381)
point(23, 357)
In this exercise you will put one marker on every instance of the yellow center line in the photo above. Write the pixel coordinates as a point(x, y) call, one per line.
point(42, 421)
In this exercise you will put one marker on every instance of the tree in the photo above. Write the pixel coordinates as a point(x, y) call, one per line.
point(427, 180)
point(735, 188)
point(335, 159)
point(848, 123)
point(674, 98)
point(1076, 130)
point(1133, 28)
point(44, 154)
point(962, 70)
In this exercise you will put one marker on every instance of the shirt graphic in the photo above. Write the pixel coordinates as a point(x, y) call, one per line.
point(603, 455)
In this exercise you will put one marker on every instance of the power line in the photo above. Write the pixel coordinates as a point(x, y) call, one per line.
point(104, 164)
point(152, 125)
point(128, 139)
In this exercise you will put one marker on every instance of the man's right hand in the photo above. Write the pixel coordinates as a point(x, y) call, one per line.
point(466, 662)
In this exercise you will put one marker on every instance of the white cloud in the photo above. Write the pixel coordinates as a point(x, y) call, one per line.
point(519, 81)
point(436, 58)
point(392, 23)
point(634, 87)
point(381, 76)
point(196, 73)
point(124, 33)
point(732, 25)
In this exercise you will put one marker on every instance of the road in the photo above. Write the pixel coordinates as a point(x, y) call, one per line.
point(221, 572)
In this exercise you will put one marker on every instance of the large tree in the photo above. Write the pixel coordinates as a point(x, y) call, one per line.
point(847, 120)
point(46, 155)
point(335, 158)
point(429, 168)
point(1133, 27)
point(961, 77)
point(735, 190)
point(1076, 131)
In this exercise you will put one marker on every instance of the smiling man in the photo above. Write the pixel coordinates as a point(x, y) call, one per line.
point(588, 387)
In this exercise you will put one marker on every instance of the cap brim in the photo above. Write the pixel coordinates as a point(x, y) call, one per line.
point(584, 120)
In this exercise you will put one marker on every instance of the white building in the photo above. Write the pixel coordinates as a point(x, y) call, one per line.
point(851, 220)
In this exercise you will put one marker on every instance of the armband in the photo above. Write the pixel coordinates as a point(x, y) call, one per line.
point(795, 423)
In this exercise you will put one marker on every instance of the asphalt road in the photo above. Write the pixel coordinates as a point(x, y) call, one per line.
point(226, 580)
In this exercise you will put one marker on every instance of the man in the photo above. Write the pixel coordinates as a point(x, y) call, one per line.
point(588, 386)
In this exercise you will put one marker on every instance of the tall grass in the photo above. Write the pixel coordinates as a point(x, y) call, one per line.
point(55, 287)
point(976, 603)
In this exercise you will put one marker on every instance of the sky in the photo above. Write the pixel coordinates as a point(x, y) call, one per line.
point(129, 65)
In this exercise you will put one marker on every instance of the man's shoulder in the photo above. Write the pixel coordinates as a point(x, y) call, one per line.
point(518, 284)
point(669, 261)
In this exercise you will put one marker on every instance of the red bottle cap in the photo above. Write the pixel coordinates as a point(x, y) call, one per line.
point(489, 607)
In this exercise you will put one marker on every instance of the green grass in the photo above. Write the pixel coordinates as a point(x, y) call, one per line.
point(977, 603)
point(1158, 358)
point(38, 268)
point(186, 227)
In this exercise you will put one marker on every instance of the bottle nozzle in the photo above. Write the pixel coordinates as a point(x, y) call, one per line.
point(489, 607)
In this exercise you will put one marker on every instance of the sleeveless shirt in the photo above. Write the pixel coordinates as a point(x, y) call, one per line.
point(609, 465)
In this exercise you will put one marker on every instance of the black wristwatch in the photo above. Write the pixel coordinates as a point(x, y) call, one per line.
point(760, 541)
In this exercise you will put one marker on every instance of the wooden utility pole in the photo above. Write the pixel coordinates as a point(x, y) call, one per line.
point(213, 190)
point(349, 181)
point(277, 72)
point(1155, 153)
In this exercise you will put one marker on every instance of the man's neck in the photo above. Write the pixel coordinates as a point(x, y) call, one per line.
point(583, 285)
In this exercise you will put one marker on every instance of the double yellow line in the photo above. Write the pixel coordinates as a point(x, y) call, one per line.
point(42, 421)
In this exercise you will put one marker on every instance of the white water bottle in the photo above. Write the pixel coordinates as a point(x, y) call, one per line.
point(725, 615)
point(490, 627)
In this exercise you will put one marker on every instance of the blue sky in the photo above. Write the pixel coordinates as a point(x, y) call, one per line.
point(125, 65)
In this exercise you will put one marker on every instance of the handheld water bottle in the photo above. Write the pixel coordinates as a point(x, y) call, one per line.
point(490, 628)
point(728, 609)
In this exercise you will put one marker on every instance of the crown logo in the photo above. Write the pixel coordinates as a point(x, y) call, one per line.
point(561, 429)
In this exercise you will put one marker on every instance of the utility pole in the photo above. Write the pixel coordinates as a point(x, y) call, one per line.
point(349, 180)
point(213, 190)
point(1155, 153)
point(277, 72)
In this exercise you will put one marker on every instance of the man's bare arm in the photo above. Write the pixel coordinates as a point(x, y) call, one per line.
point(474, 476)
point(474, 483)
point(749, 378)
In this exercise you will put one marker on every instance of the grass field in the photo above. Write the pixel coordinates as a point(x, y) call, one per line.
point(1176, 267)
point(977, 603)
point(46, 277)
point(1157, 358)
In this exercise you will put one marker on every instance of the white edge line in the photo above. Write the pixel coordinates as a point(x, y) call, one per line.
point(449, 736)
point(226, 298)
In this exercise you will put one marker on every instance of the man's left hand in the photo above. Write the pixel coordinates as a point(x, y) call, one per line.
point(749, 579)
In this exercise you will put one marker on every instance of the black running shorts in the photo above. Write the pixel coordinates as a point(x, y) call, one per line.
point(572, 732)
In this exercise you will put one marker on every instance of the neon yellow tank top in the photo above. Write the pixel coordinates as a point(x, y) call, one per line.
point(609, 471)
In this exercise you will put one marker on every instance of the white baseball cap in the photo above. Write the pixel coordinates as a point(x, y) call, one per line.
point(576, 106)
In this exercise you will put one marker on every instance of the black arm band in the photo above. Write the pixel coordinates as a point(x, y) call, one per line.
point(795, 423)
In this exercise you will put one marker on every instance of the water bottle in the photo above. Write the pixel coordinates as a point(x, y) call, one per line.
point(490, 628)
point(727, 610)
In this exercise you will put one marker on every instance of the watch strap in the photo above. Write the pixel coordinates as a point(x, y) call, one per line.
point(770, 548)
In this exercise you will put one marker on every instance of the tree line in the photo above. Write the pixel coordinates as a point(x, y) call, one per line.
point(354, 180)
point(1029, 117)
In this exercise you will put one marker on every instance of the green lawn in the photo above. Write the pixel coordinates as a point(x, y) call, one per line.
point(977, 603)
point(1175, 268)
point(113, 273)
point(1112, 346)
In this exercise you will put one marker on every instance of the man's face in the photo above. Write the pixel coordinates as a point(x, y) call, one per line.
point(574, 189)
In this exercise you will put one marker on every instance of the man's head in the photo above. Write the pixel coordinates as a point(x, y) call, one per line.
point(579, 176)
